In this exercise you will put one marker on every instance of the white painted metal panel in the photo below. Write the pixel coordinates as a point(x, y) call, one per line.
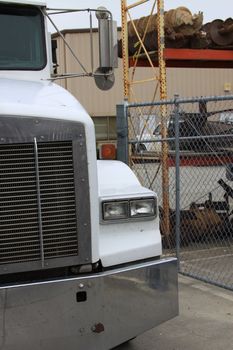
point(125, 241)
point(26, 2)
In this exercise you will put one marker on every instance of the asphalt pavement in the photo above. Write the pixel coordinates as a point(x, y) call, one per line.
point(205, 321)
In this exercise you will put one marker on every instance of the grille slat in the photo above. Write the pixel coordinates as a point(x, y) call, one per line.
point(33, 243)
point(19, 222)
point(9, 192)
point(13, 236)
point(16, 210)
point(22, 229)
point(55, 187)
point(17, 164)
point(15, 174)
point(20, 249)
point(19, 245)
point(60, 224)
point(19, 258)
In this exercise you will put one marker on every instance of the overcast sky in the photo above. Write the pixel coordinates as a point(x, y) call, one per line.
point(211, 9)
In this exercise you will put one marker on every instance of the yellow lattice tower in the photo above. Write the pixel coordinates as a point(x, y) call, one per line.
point(159, 76)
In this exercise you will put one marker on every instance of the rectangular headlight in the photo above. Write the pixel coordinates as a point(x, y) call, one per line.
point(115, 210)
point(142, 208)
point(129, 209)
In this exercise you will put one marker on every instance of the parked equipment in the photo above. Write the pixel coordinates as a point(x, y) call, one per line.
point(202, 220)
point(182, 30)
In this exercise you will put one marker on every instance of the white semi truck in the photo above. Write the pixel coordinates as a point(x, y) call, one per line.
point(80, 246)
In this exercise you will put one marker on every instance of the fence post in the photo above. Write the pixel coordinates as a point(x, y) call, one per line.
point(122, 132)
point(177, 149)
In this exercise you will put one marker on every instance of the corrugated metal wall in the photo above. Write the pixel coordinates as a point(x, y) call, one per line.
point(187, 82)
point(96, 102)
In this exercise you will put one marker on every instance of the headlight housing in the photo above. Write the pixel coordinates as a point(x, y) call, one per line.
point(142, 208)
point(130, 209)
point(115, 210)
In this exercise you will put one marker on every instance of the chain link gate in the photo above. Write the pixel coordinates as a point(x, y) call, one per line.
point(200, 177)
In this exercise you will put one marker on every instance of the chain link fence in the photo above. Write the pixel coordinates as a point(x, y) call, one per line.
point(183, 150)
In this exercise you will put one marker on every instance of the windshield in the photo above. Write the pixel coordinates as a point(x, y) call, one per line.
point(22, 44)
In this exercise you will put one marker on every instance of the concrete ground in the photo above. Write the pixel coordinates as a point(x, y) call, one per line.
point(205, 321)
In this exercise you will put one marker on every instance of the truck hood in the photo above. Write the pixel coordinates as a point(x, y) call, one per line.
point(29, 99)
point(42, 93)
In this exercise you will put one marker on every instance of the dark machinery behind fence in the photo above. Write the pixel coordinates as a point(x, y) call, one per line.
point(202, 220)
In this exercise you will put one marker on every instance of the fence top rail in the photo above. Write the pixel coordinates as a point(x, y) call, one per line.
point(182, 138)
point(177, 100)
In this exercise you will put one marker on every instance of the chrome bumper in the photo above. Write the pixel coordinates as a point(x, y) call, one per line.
point(92, 312)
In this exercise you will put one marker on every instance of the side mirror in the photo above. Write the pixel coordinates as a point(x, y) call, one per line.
point(108, 51)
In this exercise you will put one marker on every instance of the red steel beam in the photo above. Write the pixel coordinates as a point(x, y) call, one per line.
point(199, 55)
point(193, 58)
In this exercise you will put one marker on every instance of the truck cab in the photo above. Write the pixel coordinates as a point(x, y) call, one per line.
point(80, 246)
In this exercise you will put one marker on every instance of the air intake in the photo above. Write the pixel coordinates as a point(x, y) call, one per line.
point(39, 206)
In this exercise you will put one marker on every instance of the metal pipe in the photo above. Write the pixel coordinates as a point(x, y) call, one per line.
point(122, 133)
point(217, 136)
point(182, 100)
point(177, 148)
point(143, 81)
point(206, 279)
point(125, 52)
point(62, 11)
point(63, 38)
point(39, 202)
point(91, 44)
point(163, 111)
point(142, 44)
point(136, 4)
point(143, 38)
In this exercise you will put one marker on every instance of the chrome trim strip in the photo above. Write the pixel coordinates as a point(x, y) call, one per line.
point(39, 202)
point(114, 271)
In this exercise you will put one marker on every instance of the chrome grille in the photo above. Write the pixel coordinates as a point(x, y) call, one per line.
point(19, 212)
point(57, 193)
